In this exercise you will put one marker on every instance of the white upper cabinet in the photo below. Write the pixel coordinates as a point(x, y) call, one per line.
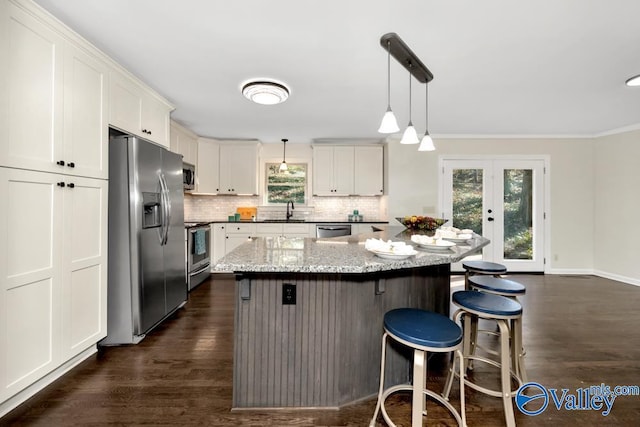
point(137, 110)
point(333, 170)
point(208, 167)
point(369, 170)
point(348, 170)
point(227, 167)
point(54, 95)
point(239, 167)
point(184, 142)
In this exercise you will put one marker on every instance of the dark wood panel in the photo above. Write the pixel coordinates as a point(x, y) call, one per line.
point(578, 330)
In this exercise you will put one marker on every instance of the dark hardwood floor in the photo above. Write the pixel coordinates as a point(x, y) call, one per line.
point(578, 331)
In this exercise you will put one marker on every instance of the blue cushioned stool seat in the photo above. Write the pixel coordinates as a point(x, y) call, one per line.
point(497, 285)
point(423, 328)
point(494, 305)
point(485, 267)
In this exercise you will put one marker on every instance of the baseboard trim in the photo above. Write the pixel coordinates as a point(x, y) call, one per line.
point(22, 396)
point(617, 277)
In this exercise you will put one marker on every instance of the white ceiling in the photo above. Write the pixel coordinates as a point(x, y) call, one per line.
point(501, 67)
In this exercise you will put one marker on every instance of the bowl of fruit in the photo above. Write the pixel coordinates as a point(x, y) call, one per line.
point(419, 222)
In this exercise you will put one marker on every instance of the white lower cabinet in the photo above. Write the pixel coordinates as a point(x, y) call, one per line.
point(53, 247)
point(228, 236)
point(282, 230)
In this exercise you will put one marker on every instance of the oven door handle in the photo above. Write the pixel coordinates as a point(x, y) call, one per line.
point(200, 270)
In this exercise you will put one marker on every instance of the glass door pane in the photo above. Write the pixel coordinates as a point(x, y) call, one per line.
point(518, 213)
point(467, 187)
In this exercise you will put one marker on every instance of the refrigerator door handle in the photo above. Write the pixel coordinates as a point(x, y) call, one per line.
point(165, 212)
point(168, 203)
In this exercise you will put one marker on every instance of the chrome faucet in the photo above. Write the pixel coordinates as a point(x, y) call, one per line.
point(289, 213)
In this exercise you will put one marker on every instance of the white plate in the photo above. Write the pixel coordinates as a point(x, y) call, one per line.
point(455, 239)
point(392, 255)
point(440, 248)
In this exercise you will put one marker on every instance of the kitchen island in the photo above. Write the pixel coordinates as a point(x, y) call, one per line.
point(309, 312)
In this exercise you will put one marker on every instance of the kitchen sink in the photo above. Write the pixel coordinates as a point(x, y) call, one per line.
point(284, 220)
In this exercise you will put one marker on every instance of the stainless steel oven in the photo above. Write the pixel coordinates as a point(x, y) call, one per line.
point(198, 253)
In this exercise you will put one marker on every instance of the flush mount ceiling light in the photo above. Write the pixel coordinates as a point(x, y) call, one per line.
point(633, 81)
point(265, 92)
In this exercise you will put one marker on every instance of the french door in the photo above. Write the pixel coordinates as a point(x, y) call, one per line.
point(503, 200)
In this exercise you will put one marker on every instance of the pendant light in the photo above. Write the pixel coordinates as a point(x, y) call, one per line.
point(389, 123)
point(427, 143)
point(283, 165)
point(410, 135)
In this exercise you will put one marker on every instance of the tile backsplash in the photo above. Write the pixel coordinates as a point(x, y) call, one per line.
point(217, 208)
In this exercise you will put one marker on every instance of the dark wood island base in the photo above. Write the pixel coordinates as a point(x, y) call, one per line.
point(324, 350)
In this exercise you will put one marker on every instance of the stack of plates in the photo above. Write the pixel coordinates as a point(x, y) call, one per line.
point(389, 249)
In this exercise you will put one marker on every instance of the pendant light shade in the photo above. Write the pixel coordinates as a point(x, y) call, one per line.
point(427, 143)
point(410, 136)
point(283, 165)
point(389, 123)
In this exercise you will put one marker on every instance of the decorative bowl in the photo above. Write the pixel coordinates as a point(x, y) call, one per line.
point(419, 222)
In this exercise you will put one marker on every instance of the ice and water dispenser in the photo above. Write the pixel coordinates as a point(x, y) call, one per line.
point(152, 214)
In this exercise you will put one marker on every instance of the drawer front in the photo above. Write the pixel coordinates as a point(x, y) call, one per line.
point(240, 228)
point(296, 229)
point(270, 229)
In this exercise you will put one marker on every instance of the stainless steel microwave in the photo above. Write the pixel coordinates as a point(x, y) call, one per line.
point(188, 176)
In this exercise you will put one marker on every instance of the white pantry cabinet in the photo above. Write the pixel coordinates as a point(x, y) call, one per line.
point(53, 252)
point(333, 170)
point(184, 142)
point(54, 92)
point(227, 167)
point(138, 110)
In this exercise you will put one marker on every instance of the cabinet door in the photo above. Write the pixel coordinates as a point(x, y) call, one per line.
point(208, 167)
point(84, 264)
point(235, 240)
point(238, 168)
point(154, 120)
point(218, 244)
point(85, 115)
point(368, 171)
point(323, 171)
point(343, 171)
point(30, 277)
point(125, 103)
point(31, 84)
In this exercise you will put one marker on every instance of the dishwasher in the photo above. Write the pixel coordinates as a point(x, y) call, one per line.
point(333, 230)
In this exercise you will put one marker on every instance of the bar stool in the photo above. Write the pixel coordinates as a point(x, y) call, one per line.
point(423, 331)
point(503, 311)
point(509, 289)
point(473, 268)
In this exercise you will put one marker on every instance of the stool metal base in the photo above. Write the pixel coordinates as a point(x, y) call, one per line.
point(418, 388)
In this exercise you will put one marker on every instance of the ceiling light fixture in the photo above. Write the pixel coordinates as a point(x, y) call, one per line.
point(427, 143)
point(397, 48)
point(410, 136)
point(283, 165)
point(389, 123)
point(633, 81)
point(265, 92)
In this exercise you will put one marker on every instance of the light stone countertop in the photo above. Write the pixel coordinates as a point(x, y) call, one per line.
point(335, 255)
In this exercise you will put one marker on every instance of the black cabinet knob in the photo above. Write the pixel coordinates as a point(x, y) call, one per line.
point(60, 162)
point(60, 184)
point(71, 185)
point(71, 165)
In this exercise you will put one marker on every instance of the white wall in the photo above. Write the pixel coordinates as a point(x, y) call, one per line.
point(617, 207)
point(414, 180)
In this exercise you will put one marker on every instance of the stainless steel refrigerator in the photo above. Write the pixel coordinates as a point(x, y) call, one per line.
point(146, 238)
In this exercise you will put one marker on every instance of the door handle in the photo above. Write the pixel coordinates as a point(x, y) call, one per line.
point(490, 219)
